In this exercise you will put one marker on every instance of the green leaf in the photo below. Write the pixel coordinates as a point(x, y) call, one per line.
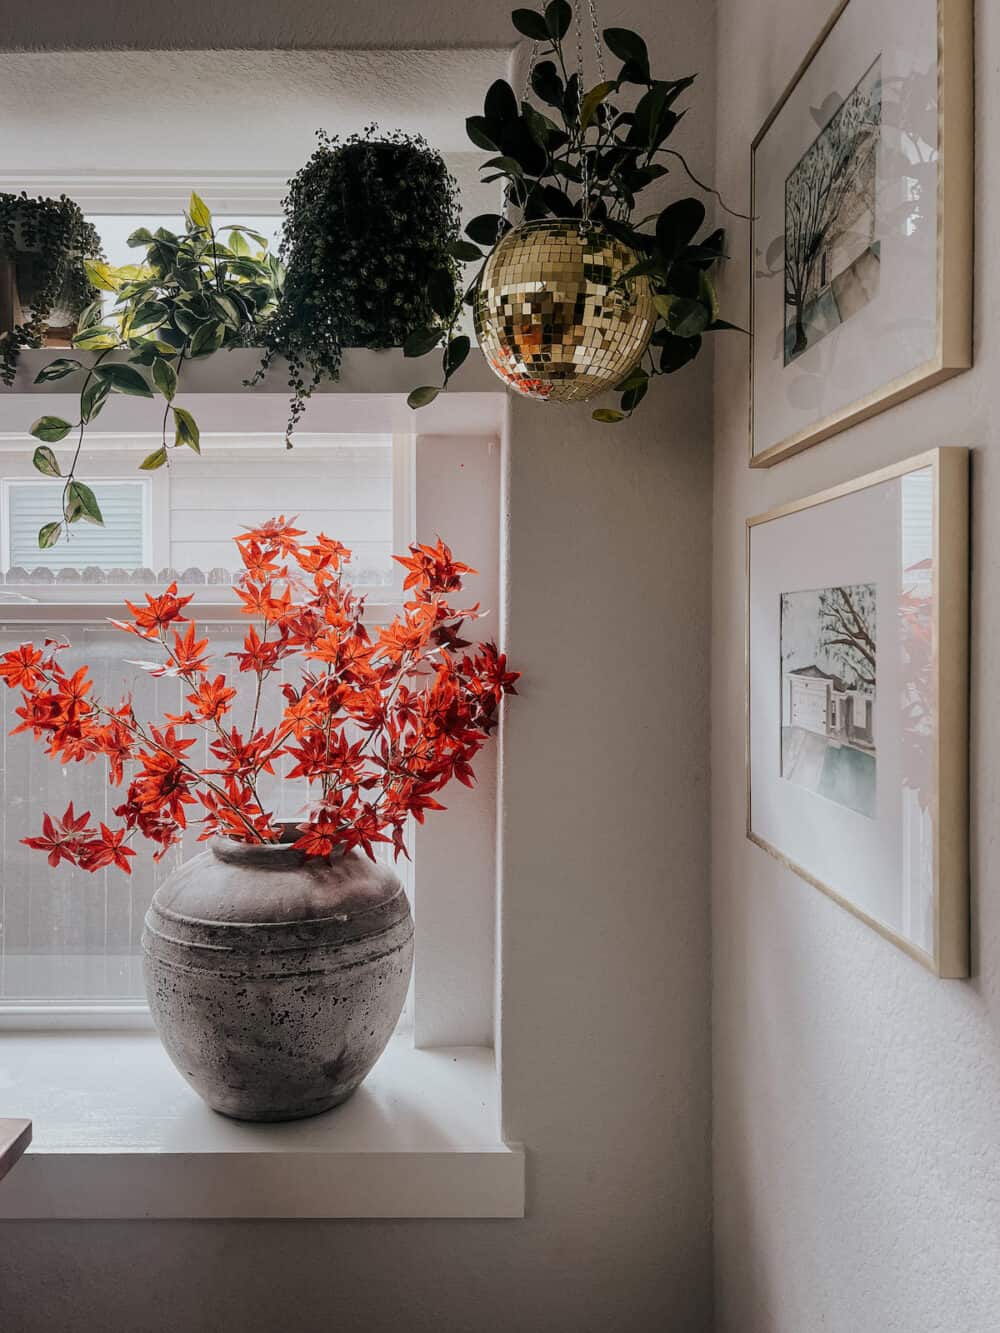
point(227, 310)
point(592, 101)
point(141, 236)
point(547, 84)
point(632, 397)
point(721, 325)
point(91, 315)
point(187, 322)
point(677, 225)
point(677, 352)
point(165, 378)
point(530, 23)
point(237, 228)
point(154, 460)
point(441, 292)
point(709, 296)
point(465, 252)
point(607, 414)
point(478, 130)
point(543, 130)
point(207, 339)
point(124, 379)
point(51, 429)
point(507, 166)
point(633, 380)
point(93, 397)
point(96, 339)
point(186, 429)
point(421, 341)
point(486, 228)
point(454, 354)
point(500, 106)
point(58, 369)
point(519, 143)
point(422, 396)
point(687, 317)
point(46, 462)
point(198, 211)
point(648, 111)
point(627, 46)
point(240, 246)
point(101, 275)
point(147, 317)
point(664, 303)
point(49, 535)
point(144, 353)
point(558, 17)
point(82, 503)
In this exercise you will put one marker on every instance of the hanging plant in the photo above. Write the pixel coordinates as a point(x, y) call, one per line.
point(43, 282)
point(192, 294)
point(610, 294)
point(370, 223)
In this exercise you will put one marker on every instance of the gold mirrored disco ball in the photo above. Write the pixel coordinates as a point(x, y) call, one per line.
point(547, 319)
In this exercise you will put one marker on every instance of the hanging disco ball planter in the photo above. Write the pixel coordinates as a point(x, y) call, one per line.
point(549, 318)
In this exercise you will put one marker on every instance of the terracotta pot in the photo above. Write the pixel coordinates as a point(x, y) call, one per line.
point(275, 982)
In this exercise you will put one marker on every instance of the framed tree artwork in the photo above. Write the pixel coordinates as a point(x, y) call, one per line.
point(857, 661)
point(861, 243)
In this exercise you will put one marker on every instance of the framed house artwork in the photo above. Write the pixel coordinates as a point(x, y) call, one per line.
point(861, 241)
point(857, 663)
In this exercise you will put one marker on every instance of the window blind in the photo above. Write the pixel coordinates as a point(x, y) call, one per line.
point(119, 544)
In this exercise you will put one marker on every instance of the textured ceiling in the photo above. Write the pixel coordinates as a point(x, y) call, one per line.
point(238, 110)
point(306, 24)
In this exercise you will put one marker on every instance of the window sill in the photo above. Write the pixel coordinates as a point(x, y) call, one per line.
point(119, 1134)
point(369, 396)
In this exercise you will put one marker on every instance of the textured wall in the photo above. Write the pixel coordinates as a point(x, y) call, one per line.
point(605, 916)
point(856, 1143)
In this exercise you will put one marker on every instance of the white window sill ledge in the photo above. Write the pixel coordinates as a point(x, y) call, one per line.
point(119, 1134)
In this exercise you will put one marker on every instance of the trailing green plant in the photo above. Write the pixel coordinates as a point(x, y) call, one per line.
point(191, 295)
point(370, 226)
point(591, 153)
point(47, 242)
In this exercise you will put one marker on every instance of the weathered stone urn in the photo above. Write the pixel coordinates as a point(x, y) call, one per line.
point(274, 980)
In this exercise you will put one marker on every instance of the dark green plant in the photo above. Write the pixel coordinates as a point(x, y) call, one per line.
point(47, 241)
point(192, 295)
point(370, 223)
point(591, 154)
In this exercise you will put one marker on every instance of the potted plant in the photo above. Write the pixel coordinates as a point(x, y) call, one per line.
point(594, 289)
point(43, 281)
point(277, 960)
point(191, 294)
point(370, 223)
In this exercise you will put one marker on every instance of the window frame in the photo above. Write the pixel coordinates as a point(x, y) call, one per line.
point(79, 607)
point(451, 484)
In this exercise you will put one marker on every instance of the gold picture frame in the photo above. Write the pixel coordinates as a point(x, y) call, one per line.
point(955, 195)
point(948, 955)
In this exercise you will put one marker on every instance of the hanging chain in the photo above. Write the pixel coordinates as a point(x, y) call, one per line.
point(598, 44)
point(584, 166)
point(584, 171)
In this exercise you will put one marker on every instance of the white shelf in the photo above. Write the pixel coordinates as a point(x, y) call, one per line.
point(119, 1134)
point(370, 395)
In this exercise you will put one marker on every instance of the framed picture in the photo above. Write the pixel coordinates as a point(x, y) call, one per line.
point(857, 663)
point(861, 244)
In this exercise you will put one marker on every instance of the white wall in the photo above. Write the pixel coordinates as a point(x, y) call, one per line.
point(604, 925)
point(857, 1141)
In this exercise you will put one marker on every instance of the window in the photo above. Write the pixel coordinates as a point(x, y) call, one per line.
point(125, 542)
point(74, 937)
